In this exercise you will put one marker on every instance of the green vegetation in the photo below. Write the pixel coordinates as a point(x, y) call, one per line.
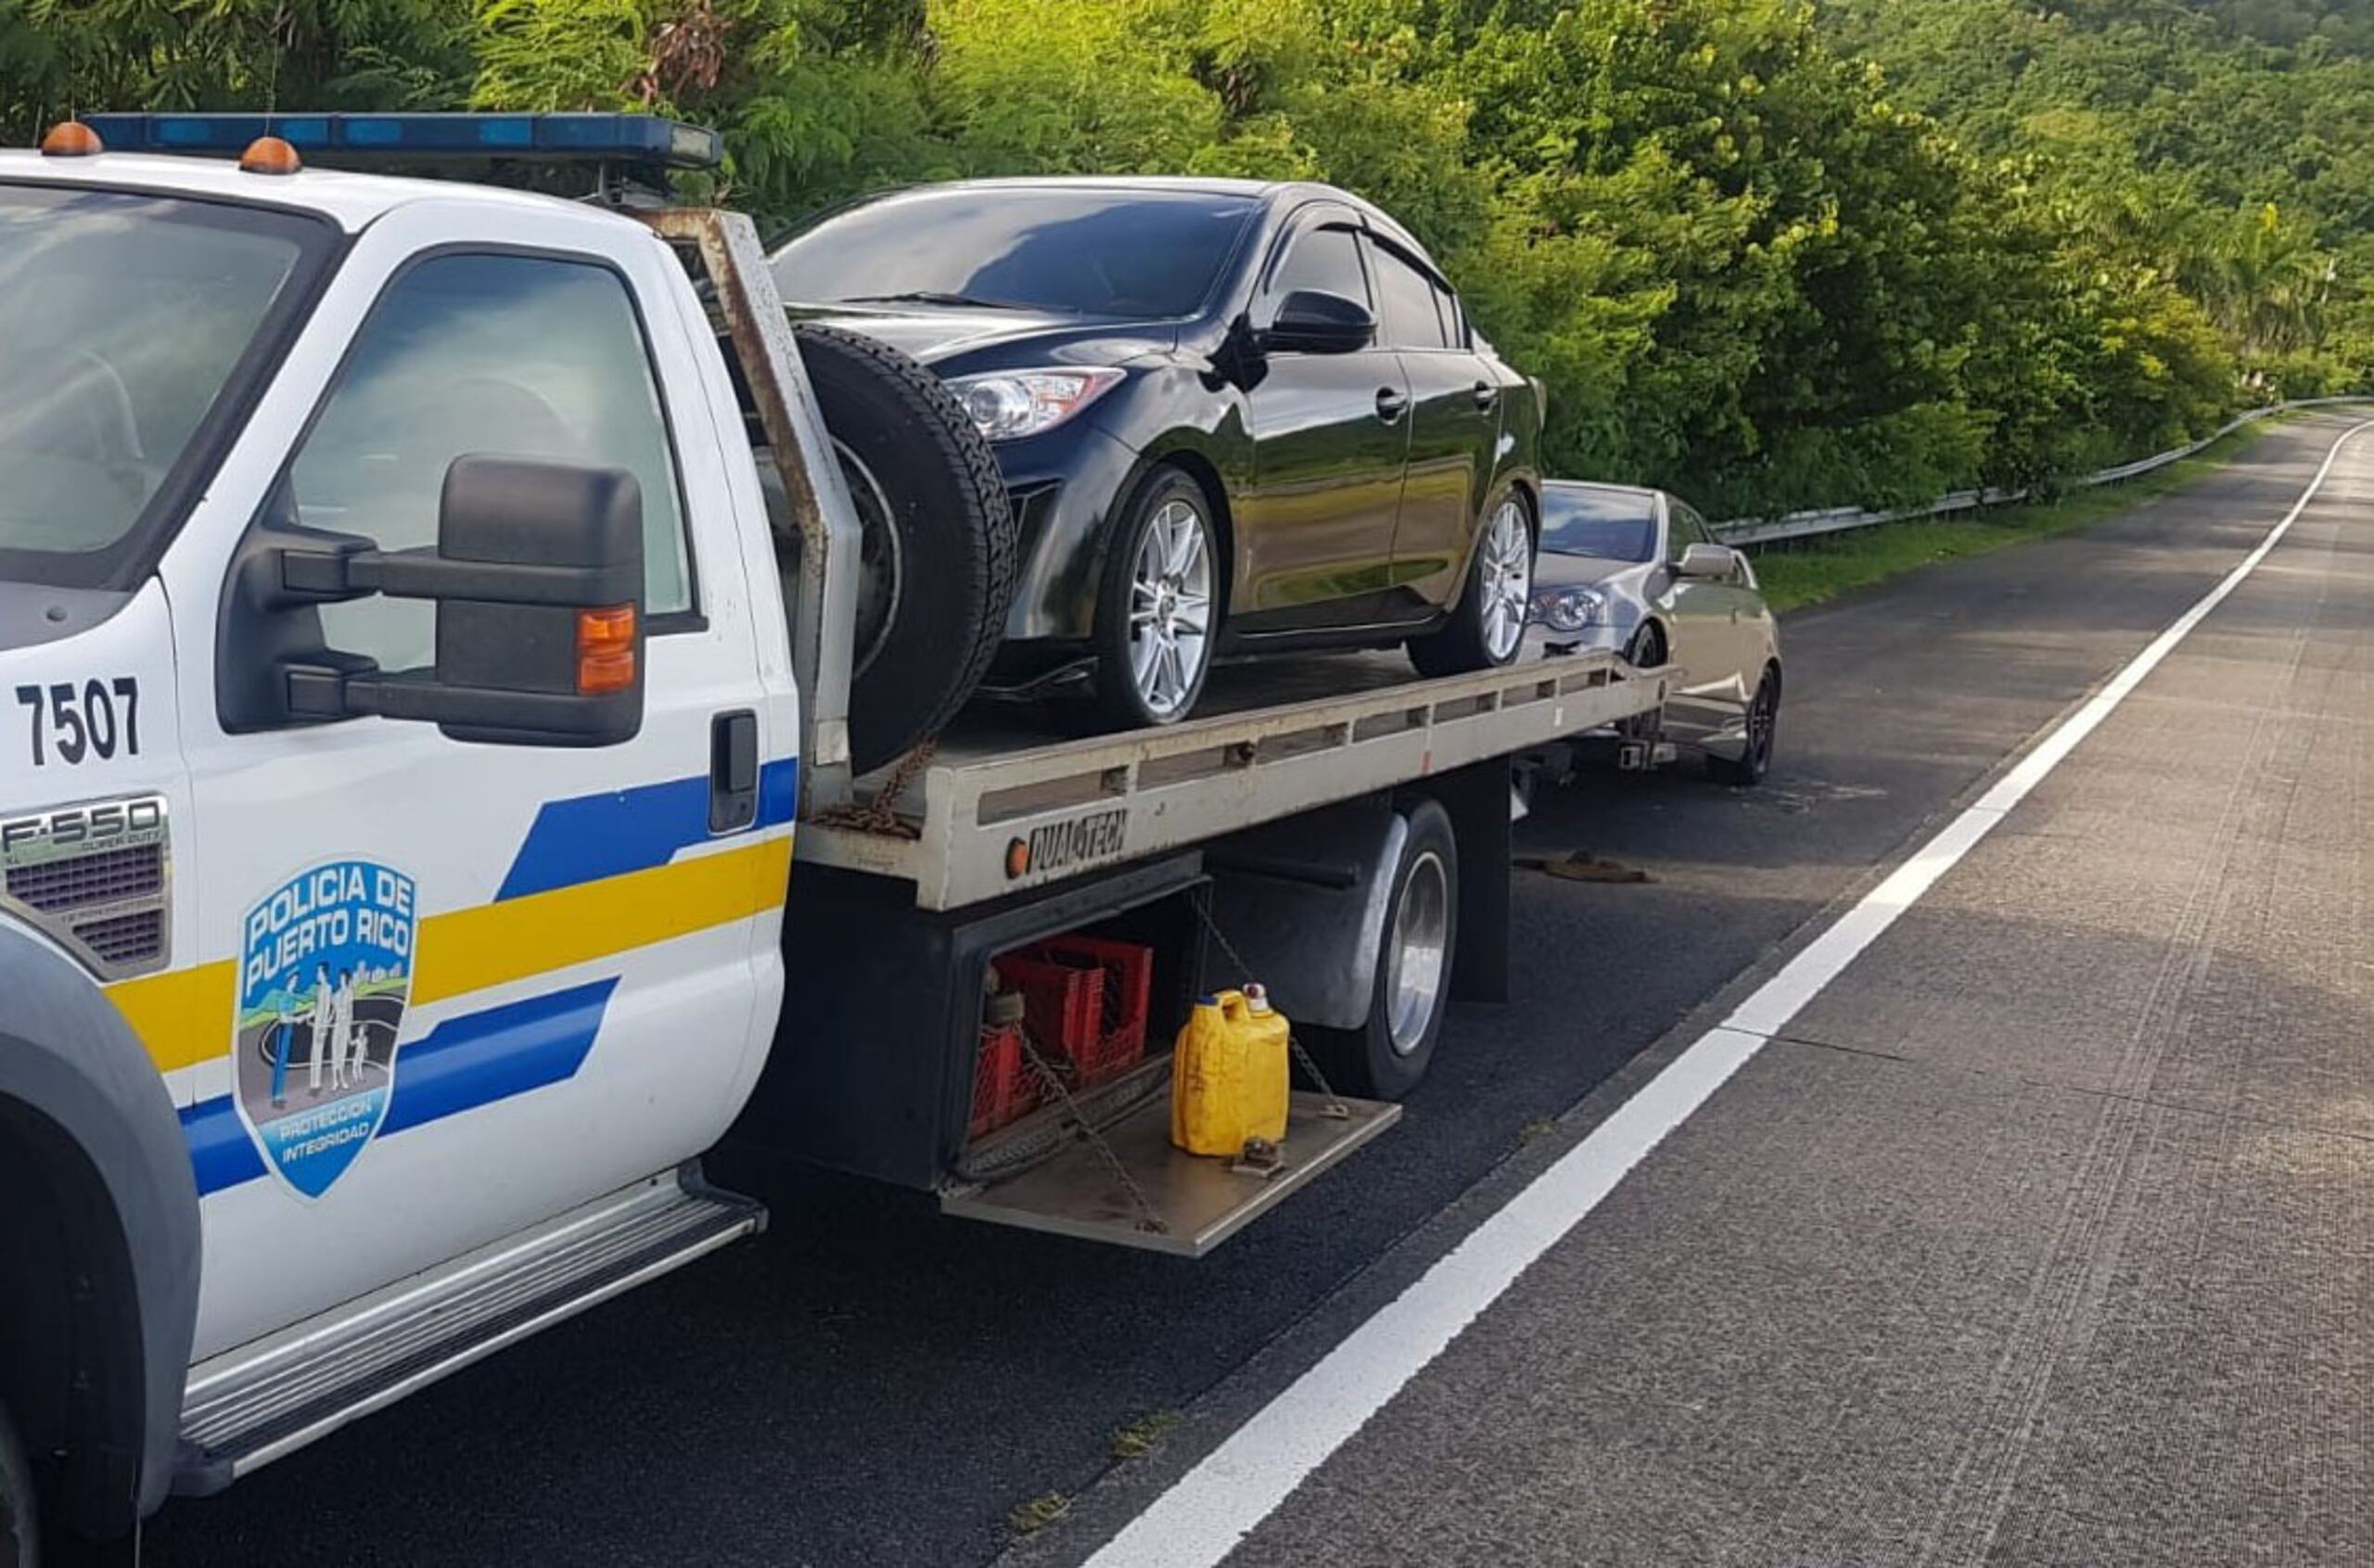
point(1144, 1436)
point(1029, 1518)
point(1751, 264)
point(1796, 576)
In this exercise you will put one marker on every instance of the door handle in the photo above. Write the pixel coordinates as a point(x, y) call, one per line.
point(1391, 404)
point(733, 771)
point(1487, 395)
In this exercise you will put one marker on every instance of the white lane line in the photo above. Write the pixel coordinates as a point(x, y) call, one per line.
point(1207, 1511)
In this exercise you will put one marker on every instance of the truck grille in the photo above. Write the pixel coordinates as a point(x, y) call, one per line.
point(125, 939)
point(97, 877)
point(103, 878)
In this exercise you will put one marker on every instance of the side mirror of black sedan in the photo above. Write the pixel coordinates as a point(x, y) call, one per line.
point(1312, 321)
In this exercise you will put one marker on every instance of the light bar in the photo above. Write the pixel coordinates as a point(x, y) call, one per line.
point(542, 138)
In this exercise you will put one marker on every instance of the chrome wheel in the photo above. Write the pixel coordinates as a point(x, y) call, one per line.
point(1170, 609)
point(1420, 956)
point(1506, 578)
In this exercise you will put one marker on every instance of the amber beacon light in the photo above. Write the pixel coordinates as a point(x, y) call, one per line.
point(72, 138)
point(270, 155)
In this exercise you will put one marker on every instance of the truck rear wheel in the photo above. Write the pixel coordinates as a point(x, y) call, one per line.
point(19, 1524)
point(939, 549)
point(1386, 1057)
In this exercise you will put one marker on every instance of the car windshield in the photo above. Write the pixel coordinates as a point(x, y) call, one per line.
point(1079, 250)
point(122, 319)
point(1616, 525)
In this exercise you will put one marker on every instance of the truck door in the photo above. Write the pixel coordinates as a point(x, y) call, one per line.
point(464, 987)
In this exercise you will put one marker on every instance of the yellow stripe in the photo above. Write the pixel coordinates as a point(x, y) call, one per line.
point(183, 1015)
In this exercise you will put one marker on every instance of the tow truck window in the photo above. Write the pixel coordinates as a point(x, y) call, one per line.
point(517, 356)
point(126, 322)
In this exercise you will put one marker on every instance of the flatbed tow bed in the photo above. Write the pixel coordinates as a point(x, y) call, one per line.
point(1272, 750)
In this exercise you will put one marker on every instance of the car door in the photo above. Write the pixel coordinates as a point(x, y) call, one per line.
point(1330, 434)
point(459, 987)
point(1711, 630)
point(1454, 417)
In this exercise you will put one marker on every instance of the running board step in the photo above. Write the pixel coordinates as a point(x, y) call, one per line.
point(250, 1406)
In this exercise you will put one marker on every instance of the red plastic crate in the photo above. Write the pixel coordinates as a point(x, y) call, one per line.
point(1063, 1006)
point(1117, 1039)
point(1004, 1089)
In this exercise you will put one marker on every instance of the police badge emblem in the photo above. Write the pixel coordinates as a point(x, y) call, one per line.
point(324, 972)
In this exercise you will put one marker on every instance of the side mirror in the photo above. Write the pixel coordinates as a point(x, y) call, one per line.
point(537, 576)
point(1716, 562)
point(1311, 321)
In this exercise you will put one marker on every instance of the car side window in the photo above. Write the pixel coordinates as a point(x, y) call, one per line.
point(1682, 530)
point(1326, 259)
point(1409, 316)
point(1454, 320)
point(508, 355)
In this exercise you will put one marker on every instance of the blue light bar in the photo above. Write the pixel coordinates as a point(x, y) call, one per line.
point(543, 138)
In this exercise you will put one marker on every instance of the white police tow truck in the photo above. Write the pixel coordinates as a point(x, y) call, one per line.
point(406, 712)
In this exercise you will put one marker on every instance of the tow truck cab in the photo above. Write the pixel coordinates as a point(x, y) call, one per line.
point(326, 729)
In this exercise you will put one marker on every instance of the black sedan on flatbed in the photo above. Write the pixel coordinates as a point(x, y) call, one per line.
point(1232, 418)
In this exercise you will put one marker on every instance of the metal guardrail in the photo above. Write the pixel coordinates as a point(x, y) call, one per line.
point(1840, 519)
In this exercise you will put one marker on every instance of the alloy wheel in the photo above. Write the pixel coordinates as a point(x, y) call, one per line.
point(1170, 609)
point(1507, 579)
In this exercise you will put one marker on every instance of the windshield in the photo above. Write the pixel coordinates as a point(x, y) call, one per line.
point(1082, 252)
point(122, 319)
point(1616, 525)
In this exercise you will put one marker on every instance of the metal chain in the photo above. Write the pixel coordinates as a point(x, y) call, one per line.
point(880, 815)
point(1335, 1106)
point(1148, 1219)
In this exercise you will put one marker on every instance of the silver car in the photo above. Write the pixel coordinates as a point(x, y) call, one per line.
point(1638, 571)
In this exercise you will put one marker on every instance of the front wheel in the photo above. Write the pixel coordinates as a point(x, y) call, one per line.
point(19, 1525)
point(1487, 623)
point(1754, 760)
point(1157, 616)
point(1386, 1058)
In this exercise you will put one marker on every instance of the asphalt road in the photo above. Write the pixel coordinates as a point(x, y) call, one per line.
point(2038, 1236)
point(871, 1383)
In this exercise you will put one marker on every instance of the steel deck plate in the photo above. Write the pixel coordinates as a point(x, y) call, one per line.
point(1201, 1201)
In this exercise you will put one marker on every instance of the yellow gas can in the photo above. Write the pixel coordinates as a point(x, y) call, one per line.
point(1230, 1080)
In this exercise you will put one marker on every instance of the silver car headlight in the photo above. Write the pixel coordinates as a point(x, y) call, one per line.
point(1569, 610)
point(1009, 404)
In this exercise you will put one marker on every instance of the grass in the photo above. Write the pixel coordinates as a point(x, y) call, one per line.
point(1795, 577)
point(1143, 1436)
point(1029, 1518)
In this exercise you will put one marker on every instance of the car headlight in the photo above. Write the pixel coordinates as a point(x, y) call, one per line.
point(1569, 610)
point(1009, 404)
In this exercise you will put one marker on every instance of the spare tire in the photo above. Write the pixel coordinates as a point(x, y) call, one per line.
point(939, 554)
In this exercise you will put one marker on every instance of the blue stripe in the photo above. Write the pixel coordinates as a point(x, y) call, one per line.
point(592, 837)
point(221, 1152)
point(475, 1060)
point(464, 1062)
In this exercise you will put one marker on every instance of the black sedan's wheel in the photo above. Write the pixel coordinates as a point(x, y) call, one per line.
point(1488, 624)
point(1754, 760)
point(1157, 616)
point(1387, 1057)
point(938, 541)
point(18, 1546)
